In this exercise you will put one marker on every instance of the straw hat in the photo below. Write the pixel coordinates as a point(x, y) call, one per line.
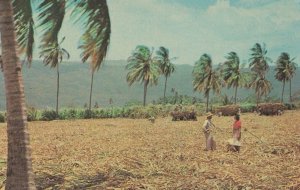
point(209, 114)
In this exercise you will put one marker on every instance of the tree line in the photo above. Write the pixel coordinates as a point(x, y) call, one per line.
point(146, 68)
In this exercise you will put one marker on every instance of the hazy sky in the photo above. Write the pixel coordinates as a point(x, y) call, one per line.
point(189, 28)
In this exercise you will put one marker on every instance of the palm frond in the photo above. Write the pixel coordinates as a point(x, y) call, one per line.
point(24, 26)
point(141, 66)
point(94, 16)
point(51, 16)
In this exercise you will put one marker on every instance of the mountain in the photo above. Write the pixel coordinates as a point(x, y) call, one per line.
point(110, 82)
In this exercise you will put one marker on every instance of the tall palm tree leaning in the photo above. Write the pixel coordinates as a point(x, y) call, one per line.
point(205, 78)
point(165, 64)
point(284, 70)
point(259, 65)
point(232, 73)
point(94, 47)
point(19, 170)
point(142, 68)
point(19, 173)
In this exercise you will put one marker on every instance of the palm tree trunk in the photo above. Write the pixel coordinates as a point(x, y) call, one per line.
point(165, 89)
point(145, 90)
point(235, 94)
point(283, 84)
point(19, 173)
point(207, 101)
point(257, 99)
point(57, 90)
point(290, 90)
point(91, 91)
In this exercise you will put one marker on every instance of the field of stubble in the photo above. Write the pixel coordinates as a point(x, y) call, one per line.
point(136, 154)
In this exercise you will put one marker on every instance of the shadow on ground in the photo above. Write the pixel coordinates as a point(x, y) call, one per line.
point(99, 181)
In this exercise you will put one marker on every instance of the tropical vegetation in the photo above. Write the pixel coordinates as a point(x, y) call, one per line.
point(259, 65)
point(285, 70)
point(142, 68)
point(233, 73)
point(165, 64)
point(17, 24)
point(205, 78)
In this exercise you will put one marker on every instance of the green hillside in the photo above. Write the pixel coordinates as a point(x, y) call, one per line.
point(109, 82)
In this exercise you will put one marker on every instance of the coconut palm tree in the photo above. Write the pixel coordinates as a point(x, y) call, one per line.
point(262, 87)
point(19, 169)
point(206, 78)
point(285, 69)
point(259, 65)
point(91, 50)
point(232, 73)
point(52, 13)
point(142, 68)
point(259, 62)
point(165, 64)
point(53, 55)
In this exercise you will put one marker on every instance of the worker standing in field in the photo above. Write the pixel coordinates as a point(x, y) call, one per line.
point(234, 143)
point(236, 128)
point(207, 129)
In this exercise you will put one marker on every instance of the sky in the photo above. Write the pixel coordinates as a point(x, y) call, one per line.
point(190, 28)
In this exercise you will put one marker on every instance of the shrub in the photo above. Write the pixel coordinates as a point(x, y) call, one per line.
point(49, 115)
point(2, 117)
point(290, 106)
point(87, 114)
point(32, 113)
point(70, 113)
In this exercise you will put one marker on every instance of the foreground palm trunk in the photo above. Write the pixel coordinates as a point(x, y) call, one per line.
point(19, 170)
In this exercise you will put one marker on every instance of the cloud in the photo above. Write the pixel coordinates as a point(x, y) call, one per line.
point(215, 27)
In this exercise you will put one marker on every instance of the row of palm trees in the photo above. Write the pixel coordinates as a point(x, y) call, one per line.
point(232, 74)
point(17, 24)
point(145, 68)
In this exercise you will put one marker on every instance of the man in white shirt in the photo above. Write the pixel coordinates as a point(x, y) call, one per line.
point(207, 127)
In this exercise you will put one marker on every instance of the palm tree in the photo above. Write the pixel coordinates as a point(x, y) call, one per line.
point(259, 62)
point(52, 53)
point(259, 65)
point(142, 68)
point(285, 69)
point(53, 56)
point(19, 173)
point(165, 64)
point(232, 73)
point(95, 15)
point(205, 78)
point(262, 87)
point(91, 50)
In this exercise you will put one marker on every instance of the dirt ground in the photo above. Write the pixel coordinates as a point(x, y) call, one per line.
point(138, 154)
